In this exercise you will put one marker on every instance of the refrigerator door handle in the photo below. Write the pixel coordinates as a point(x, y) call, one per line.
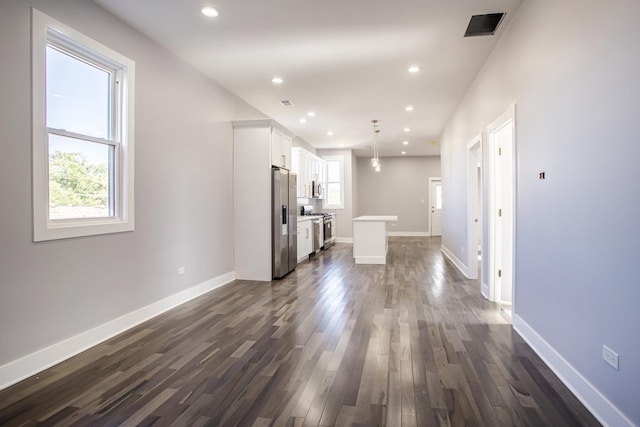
point(284, 214)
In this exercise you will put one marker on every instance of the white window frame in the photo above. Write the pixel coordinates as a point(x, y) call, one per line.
point(47, 30)
point(339, 159)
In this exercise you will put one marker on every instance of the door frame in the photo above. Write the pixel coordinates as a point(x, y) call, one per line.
point(474, 156)
point(431, 199)
point(509, 116)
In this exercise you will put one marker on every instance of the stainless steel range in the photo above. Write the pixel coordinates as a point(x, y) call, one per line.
point(328, 221)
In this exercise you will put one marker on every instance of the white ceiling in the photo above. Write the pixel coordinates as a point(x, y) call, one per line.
point(345, 60)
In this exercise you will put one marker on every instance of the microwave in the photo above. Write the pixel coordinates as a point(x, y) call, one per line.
point(316, 190)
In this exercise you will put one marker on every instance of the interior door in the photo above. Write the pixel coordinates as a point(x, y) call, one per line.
point(474, 217)
point(501, 136)
point(504, 224)
point(435, 200)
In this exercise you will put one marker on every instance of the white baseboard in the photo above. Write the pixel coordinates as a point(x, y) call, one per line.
point(409, 233)
point(392, 234)
point(19, 369)
point(344, 239)
point(371, 260)
point(459, 264)
point(484, 290)
point(591, 398)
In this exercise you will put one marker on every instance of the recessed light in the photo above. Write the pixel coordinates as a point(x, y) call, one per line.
point(404, 152)
point(407, 129)
point(405, 142)
point(210, 12)
point(303, 120)
point(277, 80)
point(330, 133)
point(409, 108)
point(311, 114)
point(414, 69)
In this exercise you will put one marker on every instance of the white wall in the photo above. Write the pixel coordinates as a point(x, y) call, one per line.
point(400, 188)
point(573, 70)
point(183, 186)
point(299, 142)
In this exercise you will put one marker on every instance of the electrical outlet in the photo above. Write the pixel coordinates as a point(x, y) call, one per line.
point(610, 356)
point(181, 271)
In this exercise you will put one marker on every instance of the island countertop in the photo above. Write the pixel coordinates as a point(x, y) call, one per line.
point(377, 218)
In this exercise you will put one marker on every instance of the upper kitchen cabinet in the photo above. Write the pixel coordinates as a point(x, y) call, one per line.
point(310, 169)
point(273, 137)
point(300, 165)
point(280, 148)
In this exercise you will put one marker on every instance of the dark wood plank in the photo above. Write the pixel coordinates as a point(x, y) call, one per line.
point(411, 343)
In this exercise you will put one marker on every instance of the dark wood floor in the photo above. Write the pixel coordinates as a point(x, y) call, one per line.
point(409, 344)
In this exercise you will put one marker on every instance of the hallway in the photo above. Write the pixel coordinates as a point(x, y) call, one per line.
point(409, 343)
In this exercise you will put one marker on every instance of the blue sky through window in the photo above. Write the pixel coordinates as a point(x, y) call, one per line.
point(78, 100)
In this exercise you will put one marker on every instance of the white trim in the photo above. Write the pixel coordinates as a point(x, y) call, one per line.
point(20, 369)
point(509, 116)
point(260, 123)
point(371, 259)
point(409, 233)
point(344, 239)
point(474, 150)
point(484, 290)
point(454, 259)
point(601, 407)
point(43, 29)
point(340, 160)
point(432, 202)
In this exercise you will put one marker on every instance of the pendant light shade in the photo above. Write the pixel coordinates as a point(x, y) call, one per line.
point(375, 160)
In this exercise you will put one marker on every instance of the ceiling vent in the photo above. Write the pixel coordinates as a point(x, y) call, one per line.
point(286, 103)
point(483, 25)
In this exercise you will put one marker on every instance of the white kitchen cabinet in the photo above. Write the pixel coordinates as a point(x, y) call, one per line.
point(280, 149)
point(256, 144)
point(309, 168)
point(370, 242)
point(299, 166)
point(320, 174)
point(305, 239)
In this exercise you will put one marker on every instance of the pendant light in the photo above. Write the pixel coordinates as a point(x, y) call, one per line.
point(375, 160)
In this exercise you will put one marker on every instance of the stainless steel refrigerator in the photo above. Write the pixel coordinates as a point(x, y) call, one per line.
point(284, 232)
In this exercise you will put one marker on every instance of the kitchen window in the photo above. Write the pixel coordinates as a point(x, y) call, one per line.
point(82, 134)
point(335, 182)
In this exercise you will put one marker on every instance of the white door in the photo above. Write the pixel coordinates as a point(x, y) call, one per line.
point(474, 204)
point(502, 142)
point(435, 206)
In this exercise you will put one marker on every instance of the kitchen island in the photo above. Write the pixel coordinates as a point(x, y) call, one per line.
point(370, 238)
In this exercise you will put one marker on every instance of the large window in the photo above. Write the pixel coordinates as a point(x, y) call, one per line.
point(82, 134)
point(335, 182)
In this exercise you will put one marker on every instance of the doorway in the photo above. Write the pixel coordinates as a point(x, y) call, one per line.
point(435, 206)
point(474, 216)
point(501, 141)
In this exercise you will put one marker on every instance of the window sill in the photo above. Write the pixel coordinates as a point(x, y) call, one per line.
point(66, 229)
